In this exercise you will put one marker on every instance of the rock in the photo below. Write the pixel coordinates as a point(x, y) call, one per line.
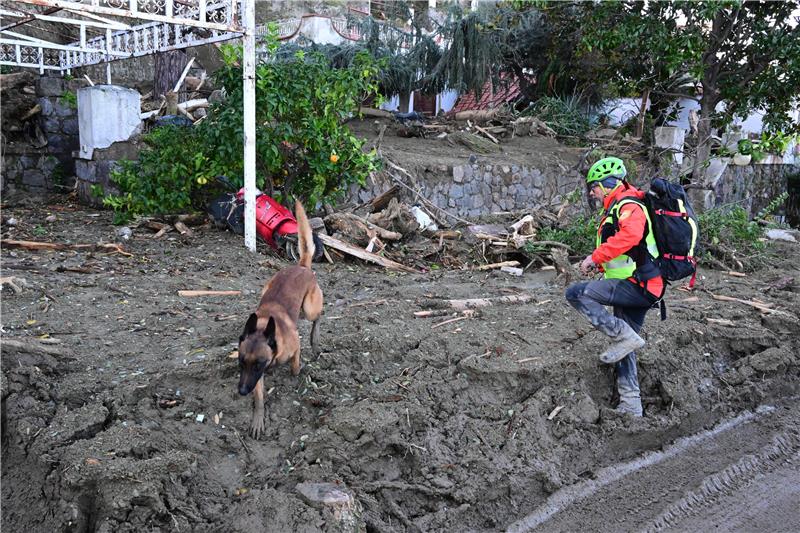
point(780, 235)
point(49, 86)
point(124, 233)
point(50, 219)
point(341, 510)
point(606, 133)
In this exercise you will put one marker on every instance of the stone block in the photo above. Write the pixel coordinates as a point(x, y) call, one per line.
point(34, 178)
point(458, 174)
point(86, 170)
point(47, 106)
point(477, 201)
point(49, 86)
point(51, 124)
point(62, 109)
point(457, 191)
point(48, 165)
point(107, 114)
point(70, 126)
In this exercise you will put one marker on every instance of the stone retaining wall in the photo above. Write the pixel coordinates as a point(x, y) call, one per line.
point(480, 186)
point(51, 166)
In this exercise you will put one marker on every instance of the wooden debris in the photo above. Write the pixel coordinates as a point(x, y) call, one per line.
point(497, 265)
point(555, 412)
point(395, 217)
point(514, 271)
point(489, 135)
point(357, 229)
point(761, 306)
point(450, 321)
point(336, 244)
point(33, 346)
point(735, 274)
point(478, 115)
point(193, 293)
point(473, 142)
point(721, 322)
point(35, 245)
point(473, 303)
point(372, 112)
point(448, 234)
point(431, 312)
point(380, 202)
point(183, 229)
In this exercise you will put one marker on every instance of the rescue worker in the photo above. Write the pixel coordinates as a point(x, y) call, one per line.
point(631, 284)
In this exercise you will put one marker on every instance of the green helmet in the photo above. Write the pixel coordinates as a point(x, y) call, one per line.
point(608, 167)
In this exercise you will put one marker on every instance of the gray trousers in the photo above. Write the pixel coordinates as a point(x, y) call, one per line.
point(630, 305)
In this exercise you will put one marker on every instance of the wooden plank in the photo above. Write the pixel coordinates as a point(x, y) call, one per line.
point(193, 293)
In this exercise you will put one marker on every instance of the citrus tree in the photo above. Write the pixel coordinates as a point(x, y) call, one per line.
point(303, 147)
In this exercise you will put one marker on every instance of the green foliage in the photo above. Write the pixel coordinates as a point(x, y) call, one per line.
point(566, 115)
point(579, 234)
point(772, 207)
point(745, 147)
point(302, 102)
point(746, 54)
point(69, 99)
point(170, 171)
point(732, 227)
point(302, 144)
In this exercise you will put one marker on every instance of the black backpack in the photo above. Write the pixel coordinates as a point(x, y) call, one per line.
point(675, 229)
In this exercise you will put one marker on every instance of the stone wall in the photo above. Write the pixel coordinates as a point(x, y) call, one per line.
point(752, 186)
point(34, 167)
point(480, 186)
point(96, 172)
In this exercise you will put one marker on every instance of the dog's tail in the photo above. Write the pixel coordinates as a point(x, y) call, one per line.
point(304, 237)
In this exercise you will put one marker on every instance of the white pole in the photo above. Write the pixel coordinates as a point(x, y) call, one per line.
point(249, 81)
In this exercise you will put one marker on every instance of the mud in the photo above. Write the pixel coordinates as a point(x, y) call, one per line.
point(428, 429)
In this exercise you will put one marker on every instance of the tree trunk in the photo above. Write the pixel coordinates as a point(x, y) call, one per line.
point(703, 152)
point(168, 68)
point(642, 113)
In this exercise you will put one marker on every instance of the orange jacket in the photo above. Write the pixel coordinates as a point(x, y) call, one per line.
point(632, 226)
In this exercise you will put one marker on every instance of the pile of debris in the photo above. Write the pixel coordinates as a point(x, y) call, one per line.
point(478, 130)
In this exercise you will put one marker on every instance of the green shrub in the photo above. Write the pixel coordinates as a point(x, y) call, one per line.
point(170, 171)
point(302, 104)
point(566, 115)
point(303, 146)
point(579, 234)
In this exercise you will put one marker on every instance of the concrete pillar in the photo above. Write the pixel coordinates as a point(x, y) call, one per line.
point(107, 114)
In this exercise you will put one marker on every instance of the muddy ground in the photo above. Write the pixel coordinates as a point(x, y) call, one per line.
point(470, 425)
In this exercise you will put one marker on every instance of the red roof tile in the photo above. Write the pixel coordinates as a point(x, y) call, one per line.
point(488, 99)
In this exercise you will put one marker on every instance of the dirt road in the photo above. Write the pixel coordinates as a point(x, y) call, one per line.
point(120, 412)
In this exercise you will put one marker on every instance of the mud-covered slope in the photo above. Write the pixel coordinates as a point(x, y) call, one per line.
point(444, 428)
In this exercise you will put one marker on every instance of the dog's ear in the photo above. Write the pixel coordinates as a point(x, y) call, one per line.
point(250, 326)
point(269, 333)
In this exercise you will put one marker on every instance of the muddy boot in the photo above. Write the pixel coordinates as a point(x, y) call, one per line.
point(625, 342)
point(630, 403)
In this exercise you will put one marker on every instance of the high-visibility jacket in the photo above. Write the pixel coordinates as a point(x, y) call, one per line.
point(625, 241)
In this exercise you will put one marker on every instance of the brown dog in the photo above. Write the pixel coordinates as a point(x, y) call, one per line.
point(270, 335)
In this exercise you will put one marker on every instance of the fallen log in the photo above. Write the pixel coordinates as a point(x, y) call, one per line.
point(479, 115)
point(35, 245)
point(193, 293)
point(372, 112)
point(336, 244)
